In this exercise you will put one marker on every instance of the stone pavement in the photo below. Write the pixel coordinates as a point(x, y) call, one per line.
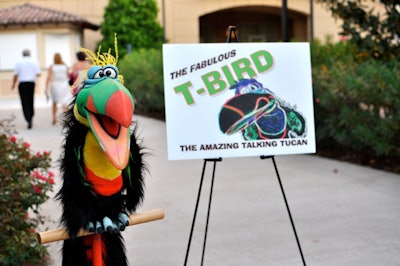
point(344, 214)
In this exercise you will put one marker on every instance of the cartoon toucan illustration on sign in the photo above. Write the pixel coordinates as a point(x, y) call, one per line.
point(259, 114)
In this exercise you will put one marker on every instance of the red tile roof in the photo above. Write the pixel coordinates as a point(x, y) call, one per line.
point(28, 14)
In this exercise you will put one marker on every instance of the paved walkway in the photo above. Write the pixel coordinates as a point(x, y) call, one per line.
point(344, 214)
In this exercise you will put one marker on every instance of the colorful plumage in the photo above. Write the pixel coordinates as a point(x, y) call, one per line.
point(101, 163)
point(259, 113)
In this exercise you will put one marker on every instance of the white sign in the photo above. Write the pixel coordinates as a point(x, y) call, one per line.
point(238, 99)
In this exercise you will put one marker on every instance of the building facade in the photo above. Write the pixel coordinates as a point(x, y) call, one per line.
point(184, 21)
point(191, 21)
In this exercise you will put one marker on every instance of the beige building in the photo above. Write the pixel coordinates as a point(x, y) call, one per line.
point(189, 21)
point(184, 21)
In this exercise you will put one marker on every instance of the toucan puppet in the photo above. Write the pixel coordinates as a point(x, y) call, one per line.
point(101, 163)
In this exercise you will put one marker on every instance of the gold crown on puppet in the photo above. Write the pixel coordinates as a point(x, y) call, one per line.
point(97, 59)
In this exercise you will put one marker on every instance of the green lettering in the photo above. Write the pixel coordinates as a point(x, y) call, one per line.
point(243, 66)
point(262, 60)
point(184, 89)
point(213, 82)
point(228, 75)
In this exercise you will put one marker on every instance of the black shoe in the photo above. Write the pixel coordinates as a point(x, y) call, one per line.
point(30, 125)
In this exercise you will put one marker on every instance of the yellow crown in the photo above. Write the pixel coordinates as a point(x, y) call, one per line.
point(102, 59)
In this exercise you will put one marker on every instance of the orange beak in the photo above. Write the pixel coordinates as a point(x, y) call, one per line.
point(110, 123)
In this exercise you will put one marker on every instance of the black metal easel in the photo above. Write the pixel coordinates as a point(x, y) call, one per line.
point(197, 206)
point(287, 205)
point(232, 37)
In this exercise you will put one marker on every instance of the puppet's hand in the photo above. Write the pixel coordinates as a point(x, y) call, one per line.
point(108, 225)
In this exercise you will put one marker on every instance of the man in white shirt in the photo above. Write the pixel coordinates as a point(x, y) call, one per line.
point(26, 71)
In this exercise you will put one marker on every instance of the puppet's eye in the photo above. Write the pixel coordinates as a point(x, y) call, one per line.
point(110, 72)
point(99, 74)
point(93, 72)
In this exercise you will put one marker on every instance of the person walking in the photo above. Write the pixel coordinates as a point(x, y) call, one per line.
point(26, 72)
point(57, 85)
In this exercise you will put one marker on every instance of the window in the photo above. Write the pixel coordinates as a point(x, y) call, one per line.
point(57, 43)
point(12, 45)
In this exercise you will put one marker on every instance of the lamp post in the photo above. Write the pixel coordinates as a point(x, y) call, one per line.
point(311, 20)
point(284, 23)
point(163, 21)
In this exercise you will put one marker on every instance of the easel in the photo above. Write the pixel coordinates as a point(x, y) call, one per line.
point(61, 233)
point(232, 37)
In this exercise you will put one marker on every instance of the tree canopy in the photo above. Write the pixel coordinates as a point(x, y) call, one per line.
point(134, 22)
point(374, 34)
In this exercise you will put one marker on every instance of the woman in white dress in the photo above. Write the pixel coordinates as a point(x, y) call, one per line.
point(57, 84)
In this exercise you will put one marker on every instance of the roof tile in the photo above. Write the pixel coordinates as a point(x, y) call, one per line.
point(28, 14)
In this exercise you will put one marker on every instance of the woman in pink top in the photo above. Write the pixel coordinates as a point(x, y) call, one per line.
point(81, 64)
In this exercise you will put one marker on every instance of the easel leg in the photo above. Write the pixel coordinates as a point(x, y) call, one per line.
point(197, 206)
point(208, 212)
point(287, 206)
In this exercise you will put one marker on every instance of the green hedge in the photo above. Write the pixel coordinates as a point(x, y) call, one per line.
point(357, 100)
point(143, 75)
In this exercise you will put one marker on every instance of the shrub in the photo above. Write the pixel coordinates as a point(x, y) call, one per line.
point(374, 33)
point(143, 75)
point(25, 180)
point(135, 22)
point(357, 100)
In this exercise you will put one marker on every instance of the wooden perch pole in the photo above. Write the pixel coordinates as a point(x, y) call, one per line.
point(138, 218)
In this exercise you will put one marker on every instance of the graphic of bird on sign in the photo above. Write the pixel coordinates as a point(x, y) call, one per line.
point(259, 114)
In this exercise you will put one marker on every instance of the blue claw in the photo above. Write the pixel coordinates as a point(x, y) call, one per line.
point(123, 221)
point(90, 227)
point(108, 224)
point(123, 218)
point(99, 228)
